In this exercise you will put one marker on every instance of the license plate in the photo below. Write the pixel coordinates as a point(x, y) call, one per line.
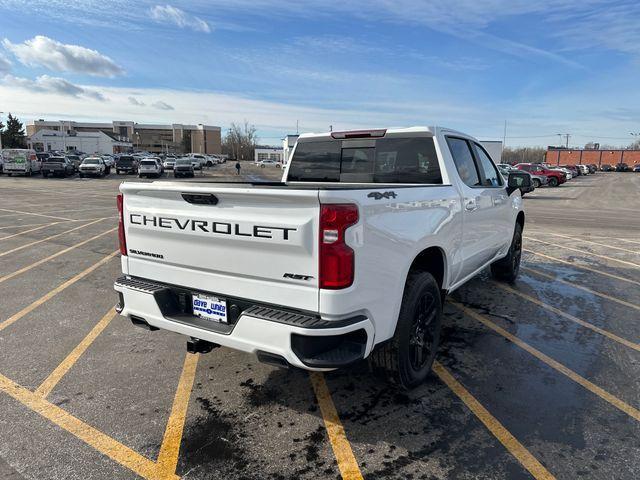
point(211, 308)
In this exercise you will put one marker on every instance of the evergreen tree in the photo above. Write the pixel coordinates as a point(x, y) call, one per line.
point(13, 134)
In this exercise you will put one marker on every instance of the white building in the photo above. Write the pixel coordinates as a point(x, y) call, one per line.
point(87, 142)
point(275, 154)
point(288, 143)
point(494, 149)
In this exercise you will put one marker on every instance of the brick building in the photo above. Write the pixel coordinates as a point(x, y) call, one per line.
point(561, 156)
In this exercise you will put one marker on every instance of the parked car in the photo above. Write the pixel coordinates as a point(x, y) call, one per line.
point(584, 170)
point(636, 168)
point(268, 163)
point(607, 168)
point(126, 164)
point(42, 156)
point(565, 170)
point(21, 161)
point(169, 163)
point(322, 286)
point(109, 161)
point(575, 171)
point(183, 168)
point(593, 168)
point(622, 167)
point(76, 160)
point(198, 161)
point(555, 177)
point(58, 167)
point(150, 167)
point(93, 167)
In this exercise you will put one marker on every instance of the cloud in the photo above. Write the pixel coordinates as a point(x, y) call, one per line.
point(162, 105)
point(47, 84)
point(168, 14)
point(135, 101)
point(5, 65)
point(42, 51)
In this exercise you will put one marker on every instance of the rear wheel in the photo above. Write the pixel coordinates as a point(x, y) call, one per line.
point(536, 183)
point(407, 358)
point(507, 268)
point(553, 182)
point(45, 175)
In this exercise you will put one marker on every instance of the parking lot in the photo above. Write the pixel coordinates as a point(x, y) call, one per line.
point(538, 379)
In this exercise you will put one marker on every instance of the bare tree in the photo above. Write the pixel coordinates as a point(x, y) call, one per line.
point(240, 141)
point(523, 155)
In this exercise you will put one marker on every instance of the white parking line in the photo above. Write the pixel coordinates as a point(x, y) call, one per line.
point(578, 239)
point(586, 252)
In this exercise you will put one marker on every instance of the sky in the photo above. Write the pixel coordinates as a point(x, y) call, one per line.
point(547, 67)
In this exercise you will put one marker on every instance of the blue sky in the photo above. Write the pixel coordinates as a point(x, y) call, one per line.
point(546, 67)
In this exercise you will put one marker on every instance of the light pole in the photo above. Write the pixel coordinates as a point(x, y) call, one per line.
point(1, 132)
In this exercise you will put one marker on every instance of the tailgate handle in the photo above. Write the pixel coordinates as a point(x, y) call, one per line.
point(201, 198)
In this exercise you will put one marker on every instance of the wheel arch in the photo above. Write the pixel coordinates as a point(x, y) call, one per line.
point(433, 260)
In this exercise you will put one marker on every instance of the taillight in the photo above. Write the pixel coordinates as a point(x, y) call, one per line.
point(121, 237)
point(336, 257)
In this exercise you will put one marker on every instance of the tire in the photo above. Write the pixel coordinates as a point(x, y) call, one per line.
point(506, 269)
point(81, 175)
point(44, 175)
point(553, 182)
point(406, 359)
point(536, 183)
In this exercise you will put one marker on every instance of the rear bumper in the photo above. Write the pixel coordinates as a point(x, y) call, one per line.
point(304, 340)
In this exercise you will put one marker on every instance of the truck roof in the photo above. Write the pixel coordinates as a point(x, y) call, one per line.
point(400, 132)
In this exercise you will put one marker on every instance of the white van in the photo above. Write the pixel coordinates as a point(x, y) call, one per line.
point(21, 160)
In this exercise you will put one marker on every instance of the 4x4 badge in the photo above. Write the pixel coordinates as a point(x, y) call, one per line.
point(380, 196)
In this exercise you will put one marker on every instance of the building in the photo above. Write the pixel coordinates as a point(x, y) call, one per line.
point(288, 143)
point(175, 138)
point(567, 156)
point(494, 149)
point(87, 142)
point(275, 154)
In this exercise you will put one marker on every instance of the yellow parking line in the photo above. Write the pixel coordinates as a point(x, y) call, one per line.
point(36, 242)
point(603, 394)
point(347, 463)
point(29, 308)
point(511, 443)
point(568, 316)
point(595, 243)
point(170, 448)
point(580, 287)
point(30, 230)
point(93, 437)
point(51, 257)
point(34, 214)
point(581, 267)
point(54, 223)
point(52, 380)
point(586, 252)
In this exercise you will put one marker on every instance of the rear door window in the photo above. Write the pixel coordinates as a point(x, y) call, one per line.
point(465, 164)
point(388, 160)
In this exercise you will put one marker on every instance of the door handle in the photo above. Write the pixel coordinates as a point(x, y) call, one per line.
point(470, 204)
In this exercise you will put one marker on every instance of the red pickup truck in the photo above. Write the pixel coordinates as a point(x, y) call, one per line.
point(556, 177)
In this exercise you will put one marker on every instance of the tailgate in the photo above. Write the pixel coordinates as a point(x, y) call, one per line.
point(248, 242)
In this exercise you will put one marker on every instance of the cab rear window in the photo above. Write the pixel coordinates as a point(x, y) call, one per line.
point(385, 160)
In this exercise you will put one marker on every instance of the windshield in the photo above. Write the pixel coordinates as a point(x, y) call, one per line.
point(91, 161)
point(183, 162)
point(55, 160)
point(148, 163)
point(125, 160)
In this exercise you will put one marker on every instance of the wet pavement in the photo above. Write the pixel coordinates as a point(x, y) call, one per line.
point(537, 379)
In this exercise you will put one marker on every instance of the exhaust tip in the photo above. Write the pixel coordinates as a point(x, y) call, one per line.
point(272, 359)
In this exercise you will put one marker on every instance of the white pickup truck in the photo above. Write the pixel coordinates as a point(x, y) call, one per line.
point(349, 257)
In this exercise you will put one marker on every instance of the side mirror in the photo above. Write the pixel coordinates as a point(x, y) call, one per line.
point(519, 181)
